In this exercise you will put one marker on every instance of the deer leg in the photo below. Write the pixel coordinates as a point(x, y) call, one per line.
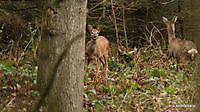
point(87, 63)
point(169, 54)
point(106, 64)
point(97, 65)
point(106, 59)
point(178, 60)
point(102, 61)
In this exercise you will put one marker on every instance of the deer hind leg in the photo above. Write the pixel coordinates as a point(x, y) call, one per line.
point(169, 53)
point(105, 57)
point(104, 62)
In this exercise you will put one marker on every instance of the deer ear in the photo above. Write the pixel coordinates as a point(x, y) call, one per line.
point(174, 19)
point(90, 28)
point(99, 28)
point(165, 20)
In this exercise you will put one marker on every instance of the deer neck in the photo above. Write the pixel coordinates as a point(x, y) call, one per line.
point(171, 34)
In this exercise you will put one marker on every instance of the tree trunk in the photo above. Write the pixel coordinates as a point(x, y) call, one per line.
point(195, 25)
point(62, 52)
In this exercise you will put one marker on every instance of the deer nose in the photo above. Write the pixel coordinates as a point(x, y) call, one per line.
point(94, 37)
point(95, 34)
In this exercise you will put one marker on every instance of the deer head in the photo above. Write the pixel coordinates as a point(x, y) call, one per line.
point(170, 27)
point(181, 49)
point(94, 32)
point(97, 49)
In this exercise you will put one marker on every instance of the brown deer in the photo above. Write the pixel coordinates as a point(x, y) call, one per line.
point(97, 49)
point(183, 50)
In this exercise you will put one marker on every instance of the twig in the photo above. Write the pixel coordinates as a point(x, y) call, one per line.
point(124, 24)
point(165, 3)
point(8, 104)
point(28, 8)
point(151, 34)
point(122, 101)
point(160, 34)
point(115, 23)
point(97, 5)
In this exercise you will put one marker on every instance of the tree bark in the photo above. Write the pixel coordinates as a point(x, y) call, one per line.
point(195, 25)
point(115, 23)
point(62, 51)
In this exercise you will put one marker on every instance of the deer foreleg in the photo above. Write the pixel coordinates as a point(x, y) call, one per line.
point(97, 65)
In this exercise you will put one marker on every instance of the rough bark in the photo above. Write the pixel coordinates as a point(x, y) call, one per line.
point(195, 31)
point(63, 40)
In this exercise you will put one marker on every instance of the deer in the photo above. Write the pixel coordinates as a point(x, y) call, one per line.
point(183, 50)
point(97, 49)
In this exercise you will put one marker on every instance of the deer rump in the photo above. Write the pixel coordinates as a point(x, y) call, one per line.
point(97, 49)
point(182, 49)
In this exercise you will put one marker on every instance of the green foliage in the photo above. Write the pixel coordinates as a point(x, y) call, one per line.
point(17, 80)
point(170, 91)
point(2, 27)
point(18, 68)
point(150, 85)
point(156, 72)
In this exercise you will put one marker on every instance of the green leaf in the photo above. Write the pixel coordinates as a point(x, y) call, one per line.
point(85, 97)
point(91, 91)
point(170, 90)
point(111, 79)
point(157, 72)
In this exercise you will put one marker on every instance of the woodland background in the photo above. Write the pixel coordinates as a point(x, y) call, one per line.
point(141, 77)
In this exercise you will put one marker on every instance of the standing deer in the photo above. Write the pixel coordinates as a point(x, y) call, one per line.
point(97, 49)
point(183, 50)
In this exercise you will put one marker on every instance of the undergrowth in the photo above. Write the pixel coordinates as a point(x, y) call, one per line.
point(141, 80)
point(18, 73)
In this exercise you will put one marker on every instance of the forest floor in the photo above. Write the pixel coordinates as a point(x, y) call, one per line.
point(141, 80)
